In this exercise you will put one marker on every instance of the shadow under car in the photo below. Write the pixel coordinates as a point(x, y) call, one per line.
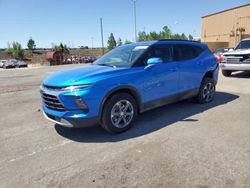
point(147, 122)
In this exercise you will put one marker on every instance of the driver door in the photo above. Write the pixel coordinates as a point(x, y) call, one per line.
point(160, 83)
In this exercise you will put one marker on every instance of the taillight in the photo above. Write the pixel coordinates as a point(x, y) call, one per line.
point(218, 57)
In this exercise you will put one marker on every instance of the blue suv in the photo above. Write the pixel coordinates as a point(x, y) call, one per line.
point(129, 80)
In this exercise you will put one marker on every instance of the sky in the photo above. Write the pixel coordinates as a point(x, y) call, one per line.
point(77, 22)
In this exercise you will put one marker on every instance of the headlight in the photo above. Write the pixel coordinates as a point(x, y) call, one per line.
point(41, 87)
point(76, 88)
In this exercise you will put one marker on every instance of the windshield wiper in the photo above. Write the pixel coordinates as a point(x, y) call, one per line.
point(108, 65)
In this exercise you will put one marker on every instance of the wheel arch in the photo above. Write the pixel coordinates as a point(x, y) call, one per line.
point(211, 74)
point(126, 89)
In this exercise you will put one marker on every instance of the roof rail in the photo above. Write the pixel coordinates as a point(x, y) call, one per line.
point(181, 40)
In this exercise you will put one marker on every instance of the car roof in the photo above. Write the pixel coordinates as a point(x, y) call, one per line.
point(168, 41)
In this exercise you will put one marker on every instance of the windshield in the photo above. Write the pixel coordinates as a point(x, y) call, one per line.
point(245, 44)
point(123, 56)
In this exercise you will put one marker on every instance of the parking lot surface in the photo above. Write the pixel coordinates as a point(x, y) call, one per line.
point(178, 145)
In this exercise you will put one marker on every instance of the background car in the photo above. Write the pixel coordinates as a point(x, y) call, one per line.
point(237, 59)
point(19, 64)
point(89, 59)
point(222, 50)
point(9, 64)
point(218, 53)
point(2, 62)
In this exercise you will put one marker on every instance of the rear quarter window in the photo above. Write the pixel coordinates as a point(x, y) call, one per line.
point(186, 52)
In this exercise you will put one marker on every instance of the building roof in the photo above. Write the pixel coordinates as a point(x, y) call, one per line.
point(226, 10)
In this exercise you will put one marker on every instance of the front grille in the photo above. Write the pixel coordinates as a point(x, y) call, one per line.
point(247, 61)
point(52, 88)
point(52, 102)
point(232, 60)
point(236, 59)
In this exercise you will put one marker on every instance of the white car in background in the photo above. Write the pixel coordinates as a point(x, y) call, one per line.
point(2, 62)
point(236, 60)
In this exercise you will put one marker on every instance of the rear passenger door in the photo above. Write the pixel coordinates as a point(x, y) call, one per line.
point(189, 65)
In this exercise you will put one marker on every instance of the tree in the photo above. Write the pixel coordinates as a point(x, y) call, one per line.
point(15, 50)
point(63, 48)
point(142, 36)
point(190, 37)
point(166, 33)
point(184, 37)
point(154, 36)
point(176, 36)
point(119, 42)
point(66, 50)
point(31, 44)
point(111, 42)
point(127, 42)
point(55, 47)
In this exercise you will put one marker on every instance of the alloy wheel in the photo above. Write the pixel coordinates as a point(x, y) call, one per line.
point(122, 113)
point(208, 92)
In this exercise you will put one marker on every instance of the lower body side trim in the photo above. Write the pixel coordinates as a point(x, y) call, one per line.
point(169, 99)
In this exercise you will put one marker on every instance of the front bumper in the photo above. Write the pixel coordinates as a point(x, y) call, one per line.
point(70, 119)
point(235, 67)
point(61, 107)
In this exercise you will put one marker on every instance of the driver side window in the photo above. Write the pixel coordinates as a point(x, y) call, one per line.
point(165, 52)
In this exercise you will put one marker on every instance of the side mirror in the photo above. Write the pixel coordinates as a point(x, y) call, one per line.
point(151, 62)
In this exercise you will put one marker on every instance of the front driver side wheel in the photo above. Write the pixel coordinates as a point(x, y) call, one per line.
point(119, 113)
point(226, 73)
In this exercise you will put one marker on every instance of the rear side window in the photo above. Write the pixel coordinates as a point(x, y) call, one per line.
point(186, 52)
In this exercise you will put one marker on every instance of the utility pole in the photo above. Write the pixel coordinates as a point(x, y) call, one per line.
point(92, 45)
point(134, 8)
point(102, 36)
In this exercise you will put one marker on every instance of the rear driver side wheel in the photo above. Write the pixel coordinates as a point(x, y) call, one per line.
point(206, 91)
point(119, 113)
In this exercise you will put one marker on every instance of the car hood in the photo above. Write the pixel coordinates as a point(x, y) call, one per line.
point(88, 74)
point(238, 52)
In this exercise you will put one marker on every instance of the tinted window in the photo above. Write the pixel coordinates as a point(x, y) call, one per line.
point(186, 52)
point(162, 51)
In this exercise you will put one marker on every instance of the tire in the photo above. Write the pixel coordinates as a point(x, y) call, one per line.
point(119, 113)
point(206, 91)
point(226, 73)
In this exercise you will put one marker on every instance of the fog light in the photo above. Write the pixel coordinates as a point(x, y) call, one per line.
point(81, 104)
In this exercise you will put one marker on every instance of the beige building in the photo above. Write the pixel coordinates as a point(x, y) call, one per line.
point(226, 28)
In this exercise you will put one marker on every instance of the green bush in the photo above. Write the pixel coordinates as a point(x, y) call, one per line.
point(15, 50)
